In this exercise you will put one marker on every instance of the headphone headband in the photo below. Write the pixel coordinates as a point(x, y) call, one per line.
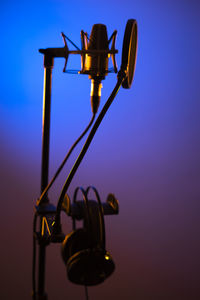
point(93, 217)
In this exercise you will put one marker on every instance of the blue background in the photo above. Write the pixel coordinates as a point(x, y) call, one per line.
point(147, 150)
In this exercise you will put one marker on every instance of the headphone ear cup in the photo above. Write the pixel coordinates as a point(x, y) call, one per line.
point(85, 265)
point(90, 266)
point(74, 242)
point(83, 250)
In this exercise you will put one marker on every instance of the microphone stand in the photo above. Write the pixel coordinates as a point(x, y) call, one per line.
point(43, 206)
point(44, 209)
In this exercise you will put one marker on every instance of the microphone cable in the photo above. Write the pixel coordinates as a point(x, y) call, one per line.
point(39, 201)
point(34, 257)
point(65, 160)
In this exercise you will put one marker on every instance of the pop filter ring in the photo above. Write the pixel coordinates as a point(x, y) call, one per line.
point(129, 52)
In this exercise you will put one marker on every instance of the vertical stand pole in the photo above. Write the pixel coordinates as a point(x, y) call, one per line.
point(48, 66)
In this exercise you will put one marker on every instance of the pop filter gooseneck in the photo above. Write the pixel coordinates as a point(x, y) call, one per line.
point(121, 77)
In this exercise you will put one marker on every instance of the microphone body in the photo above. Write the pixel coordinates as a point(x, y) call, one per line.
point(95, 94)
point(95, 54)
point(96, 62)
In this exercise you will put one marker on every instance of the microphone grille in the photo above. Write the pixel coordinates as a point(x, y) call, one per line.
point(98, 37)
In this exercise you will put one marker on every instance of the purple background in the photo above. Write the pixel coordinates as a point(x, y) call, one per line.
point(147, 150)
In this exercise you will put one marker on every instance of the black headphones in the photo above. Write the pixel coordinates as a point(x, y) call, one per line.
point(83, 250)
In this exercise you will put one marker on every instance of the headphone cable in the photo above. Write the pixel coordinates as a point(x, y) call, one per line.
point(86, 293)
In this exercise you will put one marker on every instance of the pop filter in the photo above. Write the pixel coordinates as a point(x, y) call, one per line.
point(129, 52)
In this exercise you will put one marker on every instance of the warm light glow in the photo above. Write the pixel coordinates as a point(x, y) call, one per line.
point(107, 257)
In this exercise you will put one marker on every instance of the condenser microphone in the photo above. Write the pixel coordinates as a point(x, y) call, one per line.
point(96, 62)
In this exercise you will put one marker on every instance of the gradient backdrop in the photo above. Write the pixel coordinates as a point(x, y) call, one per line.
point(147, 150)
